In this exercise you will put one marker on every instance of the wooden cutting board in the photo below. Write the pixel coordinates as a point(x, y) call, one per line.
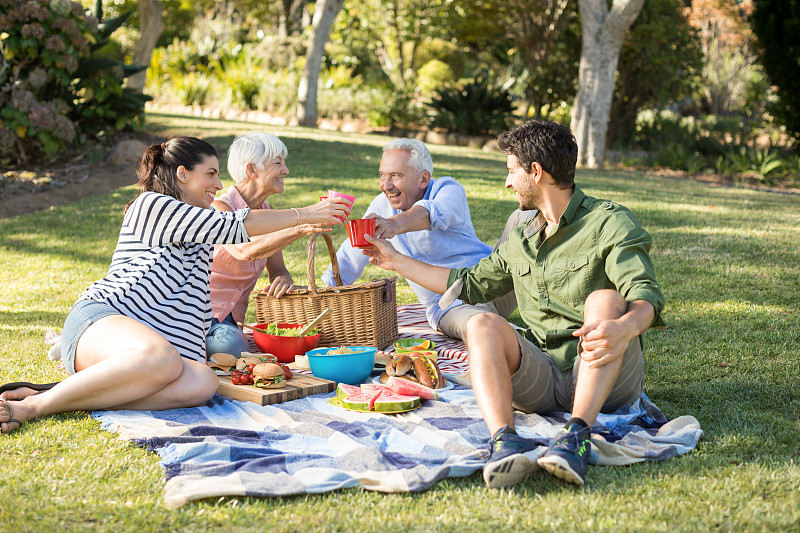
point(299, 386)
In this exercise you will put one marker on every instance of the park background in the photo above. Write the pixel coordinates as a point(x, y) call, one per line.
point(694, 95)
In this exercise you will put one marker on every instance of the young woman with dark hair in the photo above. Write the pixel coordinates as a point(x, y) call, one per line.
point(136, 338)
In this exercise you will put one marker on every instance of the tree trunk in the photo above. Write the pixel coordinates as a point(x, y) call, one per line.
point(290, 18)
point(324, 15)
point(603, 32)
point(151, 24)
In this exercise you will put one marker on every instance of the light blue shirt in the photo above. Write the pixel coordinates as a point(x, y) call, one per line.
point(449, 242)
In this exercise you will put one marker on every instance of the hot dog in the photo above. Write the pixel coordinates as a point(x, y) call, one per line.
point(415, 367)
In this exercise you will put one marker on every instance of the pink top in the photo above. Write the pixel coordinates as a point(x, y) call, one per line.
point(232, 280)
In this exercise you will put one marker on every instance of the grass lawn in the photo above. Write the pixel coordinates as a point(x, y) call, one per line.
point(728, 262)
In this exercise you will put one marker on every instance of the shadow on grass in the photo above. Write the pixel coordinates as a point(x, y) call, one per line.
point(33, 317)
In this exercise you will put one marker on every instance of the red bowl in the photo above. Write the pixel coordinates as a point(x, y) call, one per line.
point(285, 348)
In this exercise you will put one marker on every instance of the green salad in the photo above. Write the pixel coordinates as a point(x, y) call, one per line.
point(273, 329)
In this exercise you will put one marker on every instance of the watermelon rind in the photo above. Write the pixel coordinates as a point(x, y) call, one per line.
point(396, 403)
point(410, 388)
point(358, 402)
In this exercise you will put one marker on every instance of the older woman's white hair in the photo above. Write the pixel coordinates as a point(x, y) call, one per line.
point(257, 148)
point(420, 157)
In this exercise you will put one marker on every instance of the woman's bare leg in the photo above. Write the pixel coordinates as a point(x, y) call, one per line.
point(121, 364)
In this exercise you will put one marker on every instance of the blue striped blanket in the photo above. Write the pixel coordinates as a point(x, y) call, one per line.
point(232, 448)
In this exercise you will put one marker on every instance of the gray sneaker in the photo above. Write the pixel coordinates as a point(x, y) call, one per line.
point(568, 455)
point(507, 464)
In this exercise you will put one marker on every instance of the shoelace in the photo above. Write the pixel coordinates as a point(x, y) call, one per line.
point(511, 440)
point(571, 440)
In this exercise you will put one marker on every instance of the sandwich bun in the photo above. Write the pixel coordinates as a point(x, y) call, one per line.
point(222, 362)
point(248, 359)
point(269, 376)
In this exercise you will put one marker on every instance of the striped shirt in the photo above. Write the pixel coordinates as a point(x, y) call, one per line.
point(160, 271)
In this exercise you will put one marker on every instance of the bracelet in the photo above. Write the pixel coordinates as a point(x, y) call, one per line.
point(296, 212)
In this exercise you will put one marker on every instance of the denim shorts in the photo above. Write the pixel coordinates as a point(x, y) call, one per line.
point(82, 315)
point(226, 337)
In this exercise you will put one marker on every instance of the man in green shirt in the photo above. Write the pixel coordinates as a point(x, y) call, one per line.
point(586, 290)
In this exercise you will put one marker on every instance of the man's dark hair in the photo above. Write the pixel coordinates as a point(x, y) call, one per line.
point(540, 141)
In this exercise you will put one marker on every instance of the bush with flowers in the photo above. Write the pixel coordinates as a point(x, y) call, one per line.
point(56, 87)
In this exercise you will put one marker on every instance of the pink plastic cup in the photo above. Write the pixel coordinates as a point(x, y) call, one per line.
point(357, 228)
point(351, 199)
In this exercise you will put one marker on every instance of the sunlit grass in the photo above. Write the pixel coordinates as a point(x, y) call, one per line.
point(729, 265)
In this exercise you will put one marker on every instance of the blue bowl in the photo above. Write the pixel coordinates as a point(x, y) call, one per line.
point(351, 368)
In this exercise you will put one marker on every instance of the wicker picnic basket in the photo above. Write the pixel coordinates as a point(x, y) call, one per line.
point(363, 314)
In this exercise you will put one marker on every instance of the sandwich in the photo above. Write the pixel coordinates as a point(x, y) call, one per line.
point(222, 363)
point(268, 376)
point(248, 359)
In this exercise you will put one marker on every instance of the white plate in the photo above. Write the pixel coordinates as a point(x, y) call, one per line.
point(448, 386)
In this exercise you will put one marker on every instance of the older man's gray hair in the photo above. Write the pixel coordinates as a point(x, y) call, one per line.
point(420, 157)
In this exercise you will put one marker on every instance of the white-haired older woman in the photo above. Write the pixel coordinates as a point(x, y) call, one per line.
point(257, 163)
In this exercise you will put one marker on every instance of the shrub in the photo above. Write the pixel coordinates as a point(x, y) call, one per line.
point(434, 75)
point(396, 109)
point(350, 103)
point(243, 74)
point(475, 108)
point(55, 85)
point(282, 94)
point(766, 165)
point(339, 76)
point(193, 88)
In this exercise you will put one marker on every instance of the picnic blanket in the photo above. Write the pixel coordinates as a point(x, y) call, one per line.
point(233, 448)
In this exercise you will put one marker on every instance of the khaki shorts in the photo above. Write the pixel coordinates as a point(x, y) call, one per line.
point(454, 322)
point(540, 387)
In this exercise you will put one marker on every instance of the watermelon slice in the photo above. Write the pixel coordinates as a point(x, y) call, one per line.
point(358, 402)
point(373, 387)
point(345, 391)
point(410, 388)
point(389, 402)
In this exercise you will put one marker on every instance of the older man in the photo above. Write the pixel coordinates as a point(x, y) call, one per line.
point(427, 219)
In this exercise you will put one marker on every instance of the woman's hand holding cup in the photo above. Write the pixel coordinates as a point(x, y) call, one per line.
point(327, 212)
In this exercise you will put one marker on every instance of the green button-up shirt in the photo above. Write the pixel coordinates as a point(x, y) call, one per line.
point(596, 245)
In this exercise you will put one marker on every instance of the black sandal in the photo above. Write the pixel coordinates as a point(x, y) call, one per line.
point(40, 387)
point(11, 419)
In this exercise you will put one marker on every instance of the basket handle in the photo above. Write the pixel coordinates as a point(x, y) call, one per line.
point(312, 249)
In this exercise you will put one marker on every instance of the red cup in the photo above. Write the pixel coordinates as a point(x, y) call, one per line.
point(357, 228)
point(351, 199)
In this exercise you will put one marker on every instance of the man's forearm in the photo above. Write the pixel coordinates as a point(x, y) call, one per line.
point(639, 317)
point(415, 219)
point(433, 278)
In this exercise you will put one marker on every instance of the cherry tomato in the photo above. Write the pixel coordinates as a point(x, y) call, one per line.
point(250, 367)
point(250, 380)
point(235, 380)
point(287, 374)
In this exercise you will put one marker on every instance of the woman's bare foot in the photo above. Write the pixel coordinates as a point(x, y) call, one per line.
point(8, 422)
point(18, 394)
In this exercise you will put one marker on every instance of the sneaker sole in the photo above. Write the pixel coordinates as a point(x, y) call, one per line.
point(560, 468)
point(508, 472)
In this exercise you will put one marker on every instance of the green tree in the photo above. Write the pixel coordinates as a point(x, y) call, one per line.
point(658, 62)
point(537, 43)
point(776, 24)
point(393, 31)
